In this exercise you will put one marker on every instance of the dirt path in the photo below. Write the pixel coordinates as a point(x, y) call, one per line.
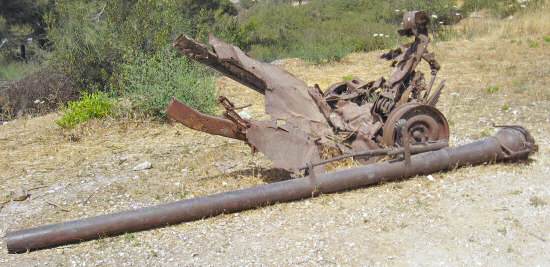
point(489, 215)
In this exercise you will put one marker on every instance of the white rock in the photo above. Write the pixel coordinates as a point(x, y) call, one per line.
point(143, 166)
point(245, 114)
point(430, 177)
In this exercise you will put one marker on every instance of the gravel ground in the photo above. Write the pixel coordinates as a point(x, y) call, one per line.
point(493, 215)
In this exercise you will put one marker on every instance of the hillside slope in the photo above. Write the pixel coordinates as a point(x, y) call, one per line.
point(489, 215)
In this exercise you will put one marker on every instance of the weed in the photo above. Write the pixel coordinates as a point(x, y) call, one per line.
point(533, 43)
point(485, 133)
point(546, 38)
point(347, 78)
point(505, 107)
point(492, 89)
point(537, 201)
point(130, 236)
point(94, 105)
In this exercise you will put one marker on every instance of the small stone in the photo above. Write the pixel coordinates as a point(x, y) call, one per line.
point(225, 166)
point(121, 160)
point(143, 166)
point(245, 114)
point(430, 177)
point(20, 194)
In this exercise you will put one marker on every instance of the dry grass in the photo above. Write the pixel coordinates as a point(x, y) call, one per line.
point(488, 215)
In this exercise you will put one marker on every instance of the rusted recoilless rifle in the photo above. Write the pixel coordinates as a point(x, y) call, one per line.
point(350, 118)
point(363, 120)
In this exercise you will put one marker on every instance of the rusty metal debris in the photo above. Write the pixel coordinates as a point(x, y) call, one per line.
point(350, 117)
point(509, 144)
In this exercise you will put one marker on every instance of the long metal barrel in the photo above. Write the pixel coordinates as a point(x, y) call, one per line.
point(508, 144)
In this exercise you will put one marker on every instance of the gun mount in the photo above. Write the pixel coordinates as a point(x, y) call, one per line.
point(349, 117)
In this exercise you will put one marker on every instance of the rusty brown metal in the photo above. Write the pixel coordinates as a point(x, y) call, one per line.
point(196, 120)
point(286, 96)
point(294, 135)
point(509, 144)
point(424, 123)
point(288, 146)
point(349, 117)
point(412, 149)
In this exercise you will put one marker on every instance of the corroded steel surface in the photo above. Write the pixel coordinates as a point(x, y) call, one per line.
point(424, 123)
point(286, 96)
point(201, 122)
point(349, 117)
point(508, 144)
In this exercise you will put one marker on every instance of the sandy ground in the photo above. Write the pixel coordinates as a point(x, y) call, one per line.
point(495, 215)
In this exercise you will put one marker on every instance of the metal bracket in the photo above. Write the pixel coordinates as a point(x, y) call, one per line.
point(402, 126)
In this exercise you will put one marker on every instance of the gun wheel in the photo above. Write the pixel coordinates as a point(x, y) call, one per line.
point(424, 123)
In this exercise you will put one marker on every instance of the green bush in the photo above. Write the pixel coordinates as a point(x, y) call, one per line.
point(90, 106)
point(150, 81)
point(121, 47)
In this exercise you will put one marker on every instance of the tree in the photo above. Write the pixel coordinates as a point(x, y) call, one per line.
point(23, 18)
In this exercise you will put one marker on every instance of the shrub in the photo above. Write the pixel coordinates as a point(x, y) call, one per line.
point(492, 89)
point(38, 93)
point(94, 105)
point(120, 47)
point(92, 38)
point(150, 81)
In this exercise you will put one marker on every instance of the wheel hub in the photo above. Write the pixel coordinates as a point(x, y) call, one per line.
point(424, 123)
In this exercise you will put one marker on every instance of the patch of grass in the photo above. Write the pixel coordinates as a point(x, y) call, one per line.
point(324, 30)
point(506, 107)
point(347, 78)
point(90, 106)
point(486, 133)
point(533, 43)
point(14, 71)
point(492, 89)
point(546, 38)
point(499, 8)
point(537, 201)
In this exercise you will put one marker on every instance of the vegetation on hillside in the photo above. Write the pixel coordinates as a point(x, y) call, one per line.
point(123, 47)
point(327, 30)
